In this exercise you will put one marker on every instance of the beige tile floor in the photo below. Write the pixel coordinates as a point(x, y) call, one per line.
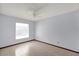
point(35, 48)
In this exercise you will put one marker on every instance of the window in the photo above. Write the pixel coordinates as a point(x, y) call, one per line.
point(22, 30)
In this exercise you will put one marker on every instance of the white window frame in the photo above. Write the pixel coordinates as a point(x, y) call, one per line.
point(19, 27)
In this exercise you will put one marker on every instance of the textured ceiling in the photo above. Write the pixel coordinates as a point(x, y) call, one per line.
point(36, 11)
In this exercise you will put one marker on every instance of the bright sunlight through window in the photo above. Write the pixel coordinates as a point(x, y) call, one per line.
point(22, 30)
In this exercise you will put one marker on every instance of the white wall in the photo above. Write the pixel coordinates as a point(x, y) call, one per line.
point(7, 30)
point(61, 30)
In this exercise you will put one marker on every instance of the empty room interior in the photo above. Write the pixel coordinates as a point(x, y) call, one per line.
point(39, 29)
